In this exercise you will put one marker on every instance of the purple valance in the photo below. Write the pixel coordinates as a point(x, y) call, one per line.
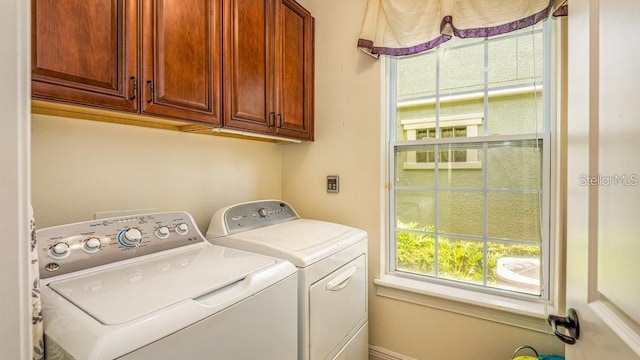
point(406, 27)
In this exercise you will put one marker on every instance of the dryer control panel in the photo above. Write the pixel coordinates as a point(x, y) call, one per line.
point(249, 215)
point(68, 248)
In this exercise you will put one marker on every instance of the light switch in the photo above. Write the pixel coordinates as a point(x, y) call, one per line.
point(333, 184)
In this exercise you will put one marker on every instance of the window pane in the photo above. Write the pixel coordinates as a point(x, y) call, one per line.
point(514, 216)
point(444, 156)
point(459, 156)
point(416, 76)
point(515, 267)
point(425, 156)
point(461, 212)
point(457, 108)
point(422, 133)
point(516, 65)
point(461, 260)
point(515, 165)
point(409, 162)
point(465, 156)
point(520, 113)
point(460, 165)
point(415, 209)
point(415, 252)
point(516, 60)
point(461, 67)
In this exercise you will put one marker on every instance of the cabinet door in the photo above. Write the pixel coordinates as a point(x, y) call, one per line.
point(85, 52)
point(181, 59)
point(295, 95)
point(248, 63)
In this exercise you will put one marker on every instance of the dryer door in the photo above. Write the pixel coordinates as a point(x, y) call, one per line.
point(338, 305)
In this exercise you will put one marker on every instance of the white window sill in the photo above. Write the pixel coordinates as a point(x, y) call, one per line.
point(515, 312)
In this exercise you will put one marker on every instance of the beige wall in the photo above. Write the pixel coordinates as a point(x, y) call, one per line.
point(83, 167)
point(348, 143)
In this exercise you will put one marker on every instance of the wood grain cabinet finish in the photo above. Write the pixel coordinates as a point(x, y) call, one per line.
point(181, 59)
point(269, 67)
point(85, 52)
point(166, 59)
point(150, 56)
point(295, 94)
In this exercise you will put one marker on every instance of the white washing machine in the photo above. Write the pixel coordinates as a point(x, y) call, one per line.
point(151, 287)
point(332, 268)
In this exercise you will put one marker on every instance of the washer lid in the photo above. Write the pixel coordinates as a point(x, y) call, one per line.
point(301, 241)
point(121, 294)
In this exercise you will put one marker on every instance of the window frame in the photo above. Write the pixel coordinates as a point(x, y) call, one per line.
point(494, 305)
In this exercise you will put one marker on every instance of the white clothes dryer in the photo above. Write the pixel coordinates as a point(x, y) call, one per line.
point(332, 268)
point(151, 287)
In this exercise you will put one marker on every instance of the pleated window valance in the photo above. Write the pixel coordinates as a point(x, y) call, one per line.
point(406, 27)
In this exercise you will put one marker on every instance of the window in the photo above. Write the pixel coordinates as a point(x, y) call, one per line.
point(470, 165)
point(457, 127)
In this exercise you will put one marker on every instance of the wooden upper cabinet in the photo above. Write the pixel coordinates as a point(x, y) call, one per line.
point(181, 59)
point(85, 52)
point(171, 59)
point(295, 93)
point(248, 63)
point(269, 68)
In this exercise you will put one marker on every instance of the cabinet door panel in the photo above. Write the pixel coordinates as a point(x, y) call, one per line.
point(293, 68)
point(295, 97)
point(181, 64)
point(248, 66)
point(85, 52)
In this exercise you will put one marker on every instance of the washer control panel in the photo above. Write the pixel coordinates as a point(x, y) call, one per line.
point(68, 248)
point(253, 215)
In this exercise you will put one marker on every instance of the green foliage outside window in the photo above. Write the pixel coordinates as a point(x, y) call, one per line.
point(460, 260)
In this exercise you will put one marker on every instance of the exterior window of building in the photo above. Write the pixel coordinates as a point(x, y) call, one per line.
point(451, 127)
point(470, 165)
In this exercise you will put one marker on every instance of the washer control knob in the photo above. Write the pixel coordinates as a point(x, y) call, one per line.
point(60, 250)
point(162, 232)
point(92, 245)
point(130, 238)
point(182, 228)
point(263, 212)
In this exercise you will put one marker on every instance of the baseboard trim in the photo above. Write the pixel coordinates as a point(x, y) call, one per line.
point(378, 353)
